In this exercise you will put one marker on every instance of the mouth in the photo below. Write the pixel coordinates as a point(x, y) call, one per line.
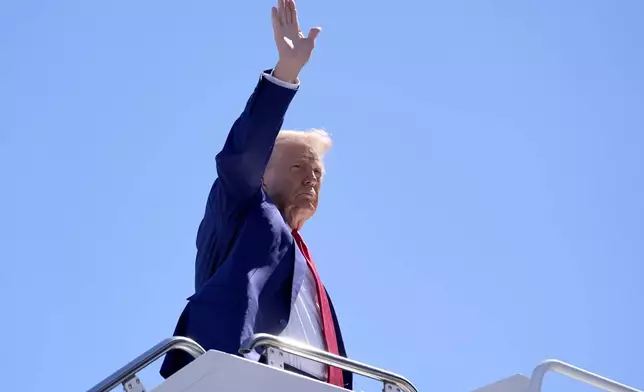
point(310, 193)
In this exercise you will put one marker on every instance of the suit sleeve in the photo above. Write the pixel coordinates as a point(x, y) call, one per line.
point(242, 161)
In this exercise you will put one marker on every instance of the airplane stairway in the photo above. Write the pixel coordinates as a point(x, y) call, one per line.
point(217, 371)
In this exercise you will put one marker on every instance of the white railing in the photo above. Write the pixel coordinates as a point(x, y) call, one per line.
point(552, 365)
point(129, 371)
point(389, 379)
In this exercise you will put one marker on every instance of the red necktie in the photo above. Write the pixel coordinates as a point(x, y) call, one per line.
point(328, 327)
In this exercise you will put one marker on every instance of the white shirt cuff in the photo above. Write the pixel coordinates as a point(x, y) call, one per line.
point(273, 79)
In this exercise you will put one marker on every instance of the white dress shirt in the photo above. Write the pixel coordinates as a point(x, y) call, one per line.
point(305, 323)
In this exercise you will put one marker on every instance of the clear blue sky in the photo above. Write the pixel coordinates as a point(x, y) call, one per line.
point(483, 210)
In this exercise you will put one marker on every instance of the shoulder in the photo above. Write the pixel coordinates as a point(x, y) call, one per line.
point(262, 210)
point(263, 226)
point(259, 215)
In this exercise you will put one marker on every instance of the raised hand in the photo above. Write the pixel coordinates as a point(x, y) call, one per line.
point(293, 47)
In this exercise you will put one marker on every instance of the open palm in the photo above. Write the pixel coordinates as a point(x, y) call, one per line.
point(293, 47)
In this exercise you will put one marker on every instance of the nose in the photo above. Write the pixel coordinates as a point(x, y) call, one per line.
point(311, 178)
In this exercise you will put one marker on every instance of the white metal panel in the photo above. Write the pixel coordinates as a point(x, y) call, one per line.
point(216, 371)
point(516, 383)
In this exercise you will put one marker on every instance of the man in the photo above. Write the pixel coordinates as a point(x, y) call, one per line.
point(254, 272)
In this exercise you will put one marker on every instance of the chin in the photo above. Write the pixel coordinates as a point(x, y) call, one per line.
point(309, 208)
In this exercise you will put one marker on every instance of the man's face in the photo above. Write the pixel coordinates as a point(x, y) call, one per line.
point(293, 178)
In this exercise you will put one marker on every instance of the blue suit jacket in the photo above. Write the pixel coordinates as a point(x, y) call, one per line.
point(248, 268)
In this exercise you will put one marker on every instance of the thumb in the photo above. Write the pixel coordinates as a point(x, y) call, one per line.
point(313, 33)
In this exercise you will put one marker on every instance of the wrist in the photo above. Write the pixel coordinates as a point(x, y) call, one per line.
point(286, 73)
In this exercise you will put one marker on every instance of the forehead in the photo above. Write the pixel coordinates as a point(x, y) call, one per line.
point(296, 152)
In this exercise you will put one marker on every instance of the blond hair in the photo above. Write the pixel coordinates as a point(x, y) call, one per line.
point(317, 139)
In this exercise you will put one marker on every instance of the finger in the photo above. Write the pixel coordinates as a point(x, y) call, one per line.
point(313, 34)
point(275, 19)
point(281, 8)
point(296, 18)
point(290, 12)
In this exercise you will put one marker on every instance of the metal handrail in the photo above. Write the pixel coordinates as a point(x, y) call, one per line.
point(143, 360)
point(314, 354)
point(536, 381)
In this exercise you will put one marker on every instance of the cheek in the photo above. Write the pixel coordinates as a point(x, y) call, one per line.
point(275, 186)
point(293, 187)
point(287, 187)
